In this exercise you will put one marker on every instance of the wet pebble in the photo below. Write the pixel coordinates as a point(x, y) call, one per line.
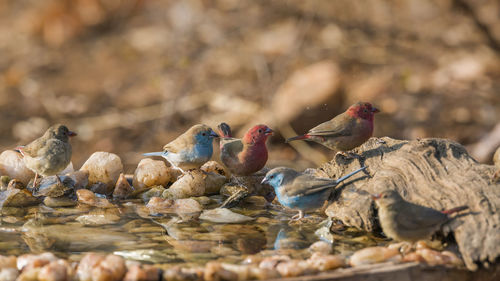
point(8, 268)
point(53, 186)
point(159, 205)
point(142, 273)
point(59, 202)
point(31, 260)
point(177, 273)
point(223, 215)
point(154, 191)
point(95, 267)
point(13, 197)
point(122, 188)
point(321, 247)
point(216, 167)
point(324, 262)
point(99, 217)
point(214, 271)
point(293, 268)
point(14, 183)
point(12, 165)
point(433, 257)
point(88, 197)
point(151, 172)
point(103, 167)
point(59, 270)
point(373, 255)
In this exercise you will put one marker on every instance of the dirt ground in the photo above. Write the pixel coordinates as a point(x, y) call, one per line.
point(130, 75)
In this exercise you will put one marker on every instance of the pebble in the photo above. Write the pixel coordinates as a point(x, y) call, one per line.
point(195, 183)
point(59, 202)
point(321, 247)
point(215, 272)
point(97, 267)
point(103, 167)
point(122, 188)
point(216, 167)
point(13, 197)
point(151, 172)
point(88, 197)
point(223, 215)
point(155, 191)
point(373, 255)
point(142, 273)
point(59, 270)
point(12, 165)
point(99, 217)
point(324, 262)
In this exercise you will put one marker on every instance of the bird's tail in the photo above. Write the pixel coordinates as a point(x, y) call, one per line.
point(159, 153)
point(350, 174)
point(454, 210)
point(301, 137)
point(225, 130)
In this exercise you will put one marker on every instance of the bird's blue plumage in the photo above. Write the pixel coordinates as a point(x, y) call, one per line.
point(299, 191)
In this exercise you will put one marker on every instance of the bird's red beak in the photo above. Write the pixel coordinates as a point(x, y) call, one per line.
point(376, 196)
point(72, 134)
point(375, 110)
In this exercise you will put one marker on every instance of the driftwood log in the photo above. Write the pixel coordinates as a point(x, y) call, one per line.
point(432, 172)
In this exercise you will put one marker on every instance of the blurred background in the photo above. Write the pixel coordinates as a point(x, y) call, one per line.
point(130, 75)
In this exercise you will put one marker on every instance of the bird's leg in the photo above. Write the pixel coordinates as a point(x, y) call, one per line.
point(34, 180)
point(298, 216)
point(496, 177)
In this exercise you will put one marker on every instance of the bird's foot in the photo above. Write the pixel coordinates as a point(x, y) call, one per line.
point(403, 247)
point(298, 216)
point(496, 177)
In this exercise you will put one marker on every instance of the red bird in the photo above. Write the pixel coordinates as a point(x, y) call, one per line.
point(244, 156)
point(345, 131)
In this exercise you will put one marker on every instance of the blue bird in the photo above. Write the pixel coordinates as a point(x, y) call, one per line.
point(303, 192)
point(190, 150)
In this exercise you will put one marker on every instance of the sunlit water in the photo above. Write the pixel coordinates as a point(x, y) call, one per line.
point(131, 232)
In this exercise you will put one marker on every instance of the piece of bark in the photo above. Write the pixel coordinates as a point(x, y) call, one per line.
point(435, 173)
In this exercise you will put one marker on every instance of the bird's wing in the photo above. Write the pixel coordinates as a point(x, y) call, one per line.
point(35, 148)
point(180, 143)
point(421, 217)
point(341, 125)
point(231, 146)
point(307, 184)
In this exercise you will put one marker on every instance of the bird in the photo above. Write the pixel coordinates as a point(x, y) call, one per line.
point(300, 191)
point(50, 153)
point(407, 222)
point(345, 131)
point(190, 150)
point(245, 156)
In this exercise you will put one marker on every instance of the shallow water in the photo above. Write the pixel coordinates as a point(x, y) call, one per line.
point(129, 231)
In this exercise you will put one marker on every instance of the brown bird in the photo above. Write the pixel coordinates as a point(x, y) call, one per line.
point(345, 131)
point(49, 154)
point(404, 221)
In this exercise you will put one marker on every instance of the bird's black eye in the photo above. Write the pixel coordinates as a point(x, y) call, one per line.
point(365, 110)
point(260, 131)
point(271, 177)
point(204, 134)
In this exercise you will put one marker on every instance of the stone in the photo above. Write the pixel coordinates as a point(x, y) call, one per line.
point(142, 273)
point(59, 270)
point(223, 215)
point(372, 255)
point(94, 267)
point(12, 165)
point(149, 173)
point(88, 197)
point(195, 183)
point(103, 167)
point(13, 197)
point(99, 217)
point(59, 202)
point(155, 191)
point(122, 188)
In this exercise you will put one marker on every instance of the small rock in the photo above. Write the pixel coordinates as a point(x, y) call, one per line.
point(149, 173)
point(122, 188)
point(59, 202)
point(88, 197)
point(52, 186)
point(374, 255)
point(30, 260)
point(103, 167)
point(181, 273)
point(433, 257)
point(8, 268)
point(215, 272)
point(99, 267)
point(98, 217)
point(324, 262)
point(59, 270)
point(159, 205)
point(155, 191)
point(101, 188)
point(223, 215)
point(79, 179)
point(142, 273)
point(12, 165)
point(195, 183)
point(321, 247)
point(4, 182)
point(294, 268)
point(273, 261)
point(13, 197)
point(216, 167)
